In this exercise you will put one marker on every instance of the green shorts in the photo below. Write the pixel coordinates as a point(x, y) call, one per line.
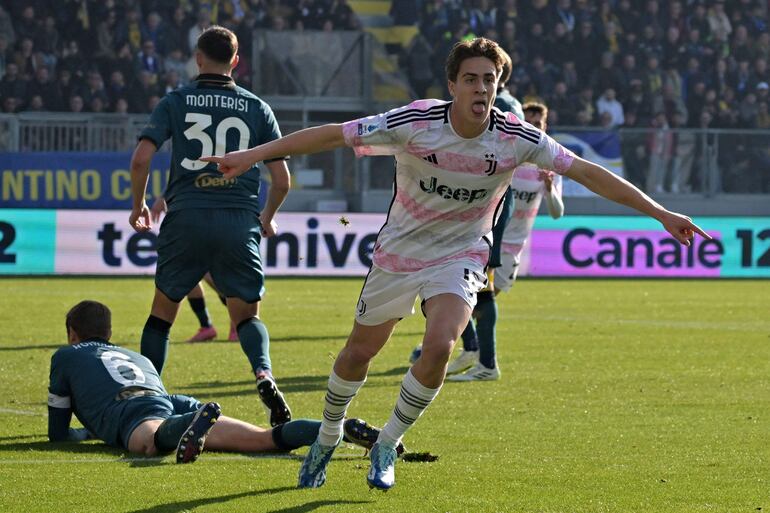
point(140, 409)
point(224, 242)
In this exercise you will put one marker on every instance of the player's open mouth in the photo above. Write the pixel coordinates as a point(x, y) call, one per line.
point(479, 107)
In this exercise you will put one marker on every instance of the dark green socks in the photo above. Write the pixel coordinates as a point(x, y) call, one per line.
point(154, 344)
point(296, 433)
point(255, 343)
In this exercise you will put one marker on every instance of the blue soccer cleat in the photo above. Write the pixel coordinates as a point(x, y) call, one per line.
point(191, 444)
point(312, 473)
point(382, 473)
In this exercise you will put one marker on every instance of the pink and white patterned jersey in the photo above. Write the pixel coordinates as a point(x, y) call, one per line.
point(528, 189)
point(447, 188)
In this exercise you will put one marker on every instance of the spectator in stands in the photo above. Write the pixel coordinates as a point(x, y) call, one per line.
point(403, 12)
point(607, 76)
point(36, 104)
point(121, 106)
point(106, 39)
point(27, 25)
point(639, 102)
point(6, 27)
point(73, 60)
point(14, 85)
point(26, 59)
point(94, 89)
point(541, 76)
point(660, 147)
point(587, 46)
point(609, 105)
point(633, 150)
point(76, 103)
point(175, 33)
point(561, 104)
point(171, 81)
point(129, 30)
point(46, 89)
point(584, 103)
point(719, 24)
point(144, 88)
point(203, 21)
point(564, 15)
point(11, 104)
point(419, 63)
point(117, 87)
point(175, 61)
point(3, 55)
point(683, 155)
point(153, 30)
point(148, 60)
point(47, 42)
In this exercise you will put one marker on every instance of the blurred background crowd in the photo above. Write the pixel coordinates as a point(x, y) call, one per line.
point(636, 63)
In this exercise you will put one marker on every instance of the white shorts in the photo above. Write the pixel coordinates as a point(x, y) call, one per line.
point(387, 296)
point(506, 274)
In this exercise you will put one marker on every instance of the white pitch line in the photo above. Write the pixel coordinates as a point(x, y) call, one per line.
point(23, 412)
point(748, 326)
point(205, 457)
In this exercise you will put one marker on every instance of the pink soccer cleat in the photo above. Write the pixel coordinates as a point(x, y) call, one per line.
point(233, 333)
point(204, 334)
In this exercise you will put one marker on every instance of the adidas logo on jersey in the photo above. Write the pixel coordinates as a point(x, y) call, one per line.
point(457, 194)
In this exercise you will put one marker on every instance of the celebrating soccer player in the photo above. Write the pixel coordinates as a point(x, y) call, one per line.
point(454, 162)
point(213, 223)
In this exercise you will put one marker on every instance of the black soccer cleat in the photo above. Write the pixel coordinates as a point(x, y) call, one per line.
point(274, 402)
point(359, 432)
point(191, 444)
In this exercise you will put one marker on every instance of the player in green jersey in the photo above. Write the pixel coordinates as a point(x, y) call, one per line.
point(118, 396)
point(213, 224)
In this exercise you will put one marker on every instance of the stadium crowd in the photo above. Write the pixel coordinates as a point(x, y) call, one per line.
point(123, 56)
point(612, 63)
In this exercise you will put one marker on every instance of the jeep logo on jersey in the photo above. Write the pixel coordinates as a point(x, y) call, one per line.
point(526, 196)
point(458, 194)
point(210, 180)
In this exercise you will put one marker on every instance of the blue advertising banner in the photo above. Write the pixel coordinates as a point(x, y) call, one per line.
point(73, 180)
point(597, 146)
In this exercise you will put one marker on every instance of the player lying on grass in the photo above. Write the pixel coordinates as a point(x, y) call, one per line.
point(118, 396)
point(454, 162)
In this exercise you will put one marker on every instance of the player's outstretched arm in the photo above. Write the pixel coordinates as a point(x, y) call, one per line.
point(611, 186)
point(140, 172)
point(310, 140)
point(280, 182)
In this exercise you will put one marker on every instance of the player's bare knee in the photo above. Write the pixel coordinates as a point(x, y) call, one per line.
point(436, 352)
point(359, 353)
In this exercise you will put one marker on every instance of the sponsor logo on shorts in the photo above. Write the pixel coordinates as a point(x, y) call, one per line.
point(365, 128)
point(214, 181)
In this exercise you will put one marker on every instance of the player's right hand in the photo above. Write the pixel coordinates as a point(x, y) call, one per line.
point(140, 218)
point(234, 163)
point(269, 229)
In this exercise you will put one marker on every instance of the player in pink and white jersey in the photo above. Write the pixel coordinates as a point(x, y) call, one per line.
point(529, 186)
point(454, 161)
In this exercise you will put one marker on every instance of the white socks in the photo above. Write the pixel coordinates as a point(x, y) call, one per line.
point(412, 401)
point(339, 393)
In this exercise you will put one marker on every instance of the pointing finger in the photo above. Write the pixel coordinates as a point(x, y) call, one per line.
point(215, 159)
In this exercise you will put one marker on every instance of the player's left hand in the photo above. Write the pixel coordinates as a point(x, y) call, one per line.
point(269, 229)
point(140, 218)
point(547, 177)
point(682, 228)
point(158, 207)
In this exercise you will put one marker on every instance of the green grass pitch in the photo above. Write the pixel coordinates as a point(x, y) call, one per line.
point(616, 396)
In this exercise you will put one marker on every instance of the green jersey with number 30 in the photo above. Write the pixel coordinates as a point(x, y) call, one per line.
point(89, 377)
point(211, 116)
